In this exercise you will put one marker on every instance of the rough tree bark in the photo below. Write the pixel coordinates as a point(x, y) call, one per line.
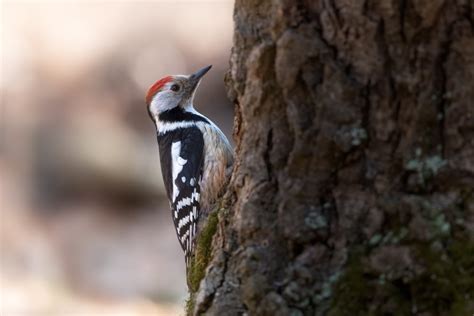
point(352, 192)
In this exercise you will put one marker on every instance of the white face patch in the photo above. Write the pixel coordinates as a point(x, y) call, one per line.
point(164, 100)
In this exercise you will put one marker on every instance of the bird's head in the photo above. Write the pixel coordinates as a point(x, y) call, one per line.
point(173, 91)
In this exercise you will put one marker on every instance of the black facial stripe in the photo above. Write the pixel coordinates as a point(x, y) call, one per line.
point(177, 114)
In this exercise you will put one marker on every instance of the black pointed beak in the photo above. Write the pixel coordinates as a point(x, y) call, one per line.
point(200, 73)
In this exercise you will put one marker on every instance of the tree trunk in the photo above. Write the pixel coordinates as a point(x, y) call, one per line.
point(352, 192)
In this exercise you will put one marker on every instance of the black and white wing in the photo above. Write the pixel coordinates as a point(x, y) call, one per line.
point(187, 157)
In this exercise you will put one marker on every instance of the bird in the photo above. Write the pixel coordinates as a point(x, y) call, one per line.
point(196, 157)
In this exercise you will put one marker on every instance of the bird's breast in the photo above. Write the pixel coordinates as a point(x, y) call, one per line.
point(217, 158)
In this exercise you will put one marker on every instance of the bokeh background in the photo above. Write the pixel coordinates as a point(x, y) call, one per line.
point(85, 225)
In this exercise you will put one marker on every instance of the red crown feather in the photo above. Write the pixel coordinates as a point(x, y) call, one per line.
point(156, 87)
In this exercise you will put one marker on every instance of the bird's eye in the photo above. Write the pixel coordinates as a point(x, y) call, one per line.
point(175, 87)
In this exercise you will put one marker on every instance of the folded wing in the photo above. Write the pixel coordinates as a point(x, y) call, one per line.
point(187, 156)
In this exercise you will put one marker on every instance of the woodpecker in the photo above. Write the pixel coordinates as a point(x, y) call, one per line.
point(195, 155)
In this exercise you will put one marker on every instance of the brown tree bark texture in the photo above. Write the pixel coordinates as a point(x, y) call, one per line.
point(352, 192)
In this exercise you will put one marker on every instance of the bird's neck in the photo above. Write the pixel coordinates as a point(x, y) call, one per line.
point(190, 109)
point(179, 118)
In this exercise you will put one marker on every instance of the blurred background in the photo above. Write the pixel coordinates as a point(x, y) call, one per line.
point(85, 224)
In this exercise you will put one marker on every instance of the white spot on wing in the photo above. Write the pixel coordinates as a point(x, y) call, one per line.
point(190, 238)
point(183, 179)
point(195, 196)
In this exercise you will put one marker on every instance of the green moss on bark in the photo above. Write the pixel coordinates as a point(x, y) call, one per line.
point(445, 284)
point(448, 282)
point(197, 268)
